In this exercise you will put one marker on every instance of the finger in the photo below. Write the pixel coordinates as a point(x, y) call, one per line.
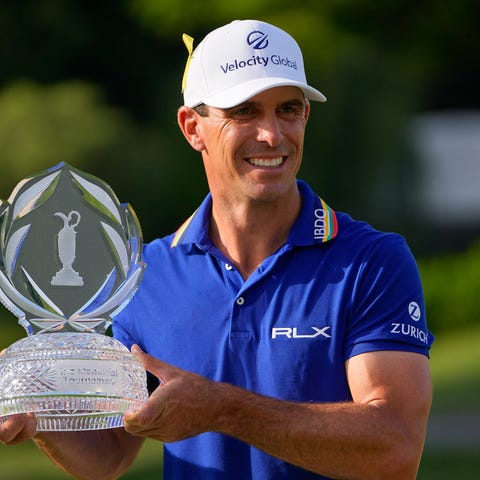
point(154, 429)
point(18, 428)
point(150, 412)
point(153, 433)
point(130, 424)
point(134, 425)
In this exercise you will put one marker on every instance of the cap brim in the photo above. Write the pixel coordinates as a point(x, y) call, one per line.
point(240, 93)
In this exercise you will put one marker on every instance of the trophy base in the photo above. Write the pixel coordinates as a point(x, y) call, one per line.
point(71, 381)
point(67, 277)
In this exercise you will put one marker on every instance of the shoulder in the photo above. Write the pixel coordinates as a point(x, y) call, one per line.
point(363, 239)
point(165, 262)
point(157, 248)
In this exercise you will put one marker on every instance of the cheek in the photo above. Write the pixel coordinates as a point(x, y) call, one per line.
point(215, 137)
point(297, 136)
point(229, 143)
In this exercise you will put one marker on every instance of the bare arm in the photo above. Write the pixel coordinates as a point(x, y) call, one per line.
point(96, 455)
point(379, 435)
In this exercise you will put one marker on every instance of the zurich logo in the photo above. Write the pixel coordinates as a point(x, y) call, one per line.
point(257, 40)
point(414, 311)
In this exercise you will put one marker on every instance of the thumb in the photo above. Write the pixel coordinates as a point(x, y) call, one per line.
point(163, 371)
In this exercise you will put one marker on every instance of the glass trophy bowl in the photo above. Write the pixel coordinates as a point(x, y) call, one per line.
point(72, 381)
point(70, 260)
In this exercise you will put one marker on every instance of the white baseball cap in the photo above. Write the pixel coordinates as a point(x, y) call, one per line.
point(245, 57)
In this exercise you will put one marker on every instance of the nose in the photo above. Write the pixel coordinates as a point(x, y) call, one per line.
point(269, 130)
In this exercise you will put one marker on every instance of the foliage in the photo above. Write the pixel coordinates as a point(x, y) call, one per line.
point(454, 360)
point(445, 465)
point(97, 84)
point(44, 125)
point(451, 284)
point(41, 126)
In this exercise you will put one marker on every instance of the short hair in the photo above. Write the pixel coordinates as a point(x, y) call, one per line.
point(202, 110)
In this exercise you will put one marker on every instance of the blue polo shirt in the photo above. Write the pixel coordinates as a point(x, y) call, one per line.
point(336, 289)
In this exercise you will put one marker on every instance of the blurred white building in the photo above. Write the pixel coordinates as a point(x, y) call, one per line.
point(448, 147)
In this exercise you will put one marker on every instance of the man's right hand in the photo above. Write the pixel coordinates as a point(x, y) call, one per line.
point(18, 428)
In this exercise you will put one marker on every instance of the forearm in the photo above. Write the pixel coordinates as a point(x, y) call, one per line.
point(344, 440)
point(96, 455)
point(378, 435)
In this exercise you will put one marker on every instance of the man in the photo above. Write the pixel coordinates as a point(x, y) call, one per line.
point(289, 340)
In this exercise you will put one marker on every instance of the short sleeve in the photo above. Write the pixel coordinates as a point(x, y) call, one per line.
point(388, 308)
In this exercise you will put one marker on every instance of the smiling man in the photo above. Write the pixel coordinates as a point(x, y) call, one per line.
point(279, 329)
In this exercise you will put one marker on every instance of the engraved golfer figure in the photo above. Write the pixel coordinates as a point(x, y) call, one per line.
point(66, 242)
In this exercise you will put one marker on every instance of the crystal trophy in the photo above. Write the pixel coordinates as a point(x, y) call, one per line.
point(70, 260)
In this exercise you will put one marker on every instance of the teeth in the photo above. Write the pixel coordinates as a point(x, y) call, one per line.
point(265, 162)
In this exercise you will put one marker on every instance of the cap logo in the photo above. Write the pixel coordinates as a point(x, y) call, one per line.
point(258, 40)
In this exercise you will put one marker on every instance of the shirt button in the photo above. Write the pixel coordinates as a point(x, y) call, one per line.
point(228, 266)
point(240, 301)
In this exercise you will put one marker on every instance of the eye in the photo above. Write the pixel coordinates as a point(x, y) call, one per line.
point(243, 110)
point(293, 109)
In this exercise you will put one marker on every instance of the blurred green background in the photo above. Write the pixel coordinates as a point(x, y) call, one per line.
point(97, 85)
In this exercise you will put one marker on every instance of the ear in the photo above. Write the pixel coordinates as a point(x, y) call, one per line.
point(307, 110)
point(188, 122)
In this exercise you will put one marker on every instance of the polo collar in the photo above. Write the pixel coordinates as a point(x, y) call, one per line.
point(317, 223)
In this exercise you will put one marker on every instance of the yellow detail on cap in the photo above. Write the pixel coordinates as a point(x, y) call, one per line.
point(188, 41)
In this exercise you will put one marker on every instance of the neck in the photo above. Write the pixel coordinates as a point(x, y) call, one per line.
point(247, 234)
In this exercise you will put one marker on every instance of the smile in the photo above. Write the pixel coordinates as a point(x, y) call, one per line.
point(265, 162)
